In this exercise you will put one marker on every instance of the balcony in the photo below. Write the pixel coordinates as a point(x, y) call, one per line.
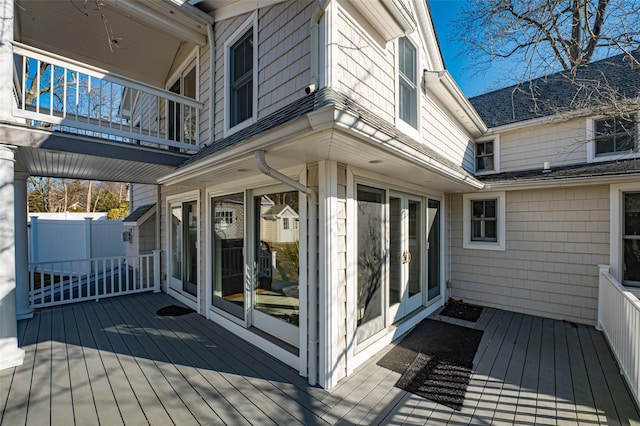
point(61, 95)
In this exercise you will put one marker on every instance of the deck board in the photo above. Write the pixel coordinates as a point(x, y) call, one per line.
point(116, 361)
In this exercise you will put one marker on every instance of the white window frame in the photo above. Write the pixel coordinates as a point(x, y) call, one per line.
point(500, 198)
point(592, 157)
point(616, 224)
point(402, 125)
point(251, 22)
point(496, 155)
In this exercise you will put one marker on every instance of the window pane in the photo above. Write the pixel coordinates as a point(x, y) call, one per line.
point(407, 60)
point(624, 143)
point(631, 268)
point(476, 230)
point(490, 230)
point(408, 104)
point(480, 149)
point(632, 214)
point(176, 242)
point(371, 259)
point(604, 127)
point(490, 208)
point(241, 99)
point(488, 163)
point(604, 145)
point(477, 208)
point(489, 147)
point(480, 163)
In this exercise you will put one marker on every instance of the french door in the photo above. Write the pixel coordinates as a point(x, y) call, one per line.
point(406, 248)
point(184, 248)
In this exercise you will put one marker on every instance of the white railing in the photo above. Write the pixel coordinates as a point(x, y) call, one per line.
point(619, 319)
point(61, 282)
point(64, 95)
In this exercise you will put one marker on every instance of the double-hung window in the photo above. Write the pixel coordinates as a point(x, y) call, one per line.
point(407, 82)
point(484, 220)
point(241, 71)
point(614, 135)
point(484, 216)
point(484, 156)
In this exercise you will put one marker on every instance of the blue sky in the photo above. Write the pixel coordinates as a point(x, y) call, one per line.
point(442, 12)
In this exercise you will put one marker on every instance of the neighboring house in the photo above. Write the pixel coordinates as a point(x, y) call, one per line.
point(302, 166)
point(560, 168)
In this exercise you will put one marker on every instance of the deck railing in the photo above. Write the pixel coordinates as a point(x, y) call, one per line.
point(619, 319)
point(62, 282)
point(60, 94)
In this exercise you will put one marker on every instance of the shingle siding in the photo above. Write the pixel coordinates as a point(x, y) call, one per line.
point(555, 238)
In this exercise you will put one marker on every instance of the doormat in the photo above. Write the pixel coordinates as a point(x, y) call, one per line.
point(459, 310)
point(436, 361)
point(173, 311)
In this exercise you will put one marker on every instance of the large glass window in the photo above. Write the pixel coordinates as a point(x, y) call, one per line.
point(615, 135)
point(228, 254)
point(631, 239)
point(241, 80)
point(408, 82)
point(371, 260)
point(184, 246)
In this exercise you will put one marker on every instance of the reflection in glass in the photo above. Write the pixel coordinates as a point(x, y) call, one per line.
point(371, 258)
point(228, 253)
point(395, 251)
point(631, 239)
point(414, 247)
point(176, 242)
point(433, 254)
point(277, 257)
point(190, 283)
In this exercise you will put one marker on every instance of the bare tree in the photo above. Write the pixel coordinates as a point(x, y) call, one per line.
point(545, 36)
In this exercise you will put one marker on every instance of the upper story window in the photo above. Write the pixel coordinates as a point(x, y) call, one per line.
point(407, 82)
point(614, 135)
point(182, 122)
point(241, 71)
point(241, 77)
point(484, 156)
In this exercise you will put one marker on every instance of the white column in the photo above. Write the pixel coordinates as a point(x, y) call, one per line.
point(23, 310)
point(10, 354)
point(6, 60)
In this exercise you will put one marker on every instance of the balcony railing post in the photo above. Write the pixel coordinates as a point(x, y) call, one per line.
point(601, 282)
point(156, 271)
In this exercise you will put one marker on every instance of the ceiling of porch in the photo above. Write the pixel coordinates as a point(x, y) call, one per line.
point(136, 39)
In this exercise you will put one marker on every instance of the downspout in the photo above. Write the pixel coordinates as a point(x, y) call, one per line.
point(312, 263)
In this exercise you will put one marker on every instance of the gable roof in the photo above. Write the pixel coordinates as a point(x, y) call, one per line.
point(562, 92)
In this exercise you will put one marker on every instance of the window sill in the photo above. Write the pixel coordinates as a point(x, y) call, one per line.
point(479, 245)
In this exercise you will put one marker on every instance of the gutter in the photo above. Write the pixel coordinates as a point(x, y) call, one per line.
point(312, 281)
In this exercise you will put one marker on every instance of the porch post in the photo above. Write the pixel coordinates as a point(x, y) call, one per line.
point(6, 60)
point(10, 354)
point(601, 270)
point(156, 271)
point(23, 310)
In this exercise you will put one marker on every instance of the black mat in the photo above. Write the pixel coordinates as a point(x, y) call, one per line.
point(462, 311)
point(173, 311)
point(435, 360)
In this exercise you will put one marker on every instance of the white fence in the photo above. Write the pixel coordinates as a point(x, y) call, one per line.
point(60, 240)
point(619, 319)
point(57, 283)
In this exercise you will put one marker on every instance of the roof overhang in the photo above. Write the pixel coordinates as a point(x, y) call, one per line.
point(447, 91)
point(391, 18)
point(327, 134)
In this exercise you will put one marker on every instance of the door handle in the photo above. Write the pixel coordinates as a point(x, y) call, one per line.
point(406, 257)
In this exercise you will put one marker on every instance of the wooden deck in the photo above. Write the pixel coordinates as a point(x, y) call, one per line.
point(116, 362)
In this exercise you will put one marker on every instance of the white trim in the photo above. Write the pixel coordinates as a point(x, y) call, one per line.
point(351, 265)
point(256, 340)
point(501, 221)
point(616, 222)
point(192, 59)
point(251, 22)
point(496, 155)
point(591, 143)
point(304, 273)
point(403, 126)
point(241, 7)
point(328, 275)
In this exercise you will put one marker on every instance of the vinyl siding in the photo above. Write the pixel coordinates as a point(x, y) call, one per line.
point(555, 238)
point(142, 195)
point(560, 144)
point(283, 57)
point(341, 296)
